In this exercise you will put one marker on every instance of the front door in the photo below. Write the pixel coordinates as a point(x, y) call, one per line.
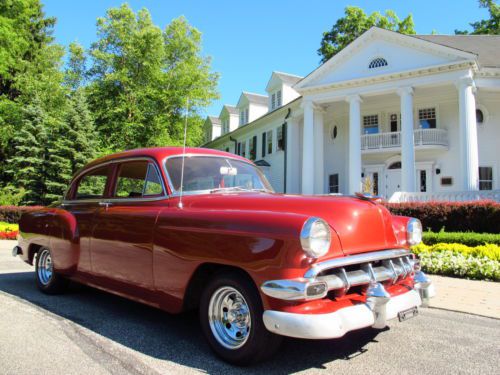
point(392, 182)
point(122, 239)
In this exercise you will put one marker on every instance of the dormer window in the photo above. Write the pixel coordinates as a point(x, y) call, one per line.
point(276, 100)
point(244, 116)
point(377, 62)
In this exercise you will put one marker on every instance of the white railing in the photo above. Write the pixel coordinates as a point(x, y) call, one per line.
point(422, 137)
point(446, 196)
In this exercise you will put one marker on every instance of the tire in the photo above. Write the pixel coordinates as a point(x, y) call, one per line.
point(47, 280)
point(231, 306)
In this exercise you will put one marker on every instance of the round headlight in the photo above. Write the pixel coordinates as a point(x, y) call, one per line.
point(315, 237)
point(414, 232)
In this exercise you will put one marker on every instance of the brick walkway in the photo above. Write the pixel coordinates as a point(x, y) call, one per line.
point(470, 296)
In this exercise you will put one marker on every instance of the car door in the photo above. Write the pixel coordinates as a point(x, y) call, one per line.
point(122, 238)
point(81, 203)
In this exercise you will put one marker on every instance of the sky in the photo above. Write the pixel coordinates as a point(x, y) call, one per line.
point(247, 40)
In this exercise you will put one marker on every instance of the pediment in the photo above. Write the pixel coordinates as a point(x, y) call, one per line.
point(395, 53)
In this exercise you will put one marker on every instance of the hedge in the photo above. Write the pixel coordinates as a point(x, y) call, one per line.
point(489, 251)
point(12, 214)
point(464, 238)
point(478, 216)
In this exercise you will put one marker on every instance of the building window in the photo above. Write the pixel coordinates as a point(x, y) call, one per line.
point(225, 126)
point(427, 118)
point(333, 183)
point(238, 151)
point(246, 116)
point(370, 124)
point(446, 181)
point(264, 144)
point(252, 148)
point(270, 142)
point(395, 165)
point(394, 122)
point(377, 63)
point(278, 99)
point(479, 116)
point(375, 183)
point(280, 139)
point(423, 181)
point(243, 149)
point(485, 178)
point(273, 101)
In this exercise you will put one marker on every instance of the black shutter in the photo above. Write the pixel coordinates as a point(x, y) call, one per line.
point(283, 134)
point(239, 148)
point(263, 144)
point(254, 148)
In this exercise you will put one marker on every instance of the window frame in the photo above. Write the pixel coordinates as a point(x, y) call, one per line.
point(113, 166)
point(436, 116)
point(149, 164)
point(278, 130)
point(337, 185)
point(270, 143)
point(491, 181)
point(371, 125)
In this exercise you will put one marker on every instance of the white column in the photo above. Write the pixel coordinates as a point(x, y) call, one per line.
point(293, 153)
point(408, 182)
point(308, 149)
point(469, 159)
point(354, 143)
point(319, 161)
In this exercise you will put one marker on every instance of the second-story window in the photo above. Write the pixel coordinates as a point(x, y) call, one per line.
point(370, 124)
point(427, 118)
point(273, 101)
point(269, 142)
point(279, 101)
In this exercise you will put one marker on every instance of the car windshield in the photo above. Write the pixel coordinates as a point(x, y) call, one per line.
point(215, 174)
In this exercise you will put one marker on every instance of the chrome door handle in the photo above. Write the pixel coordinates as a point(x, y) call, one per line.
point(104, 204)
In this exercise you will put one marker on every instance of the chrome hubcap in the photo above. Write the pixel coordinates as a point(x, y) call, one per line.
point(229, 317)
point(44, 266)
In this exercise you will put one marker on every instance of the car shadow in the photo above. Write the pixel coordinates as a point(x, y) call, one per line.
point(175, 338)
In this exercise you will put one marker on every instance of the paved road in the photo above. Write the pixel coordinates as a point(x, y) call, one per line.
point(90, 332)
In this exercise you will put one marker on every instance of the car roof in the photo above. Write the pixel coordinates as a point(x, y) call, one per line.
point(160, 153)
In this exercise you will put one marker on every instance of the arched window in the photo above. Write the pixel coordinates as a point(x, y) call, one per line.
point(479, 116)
point(395, 165)
point(377, 62)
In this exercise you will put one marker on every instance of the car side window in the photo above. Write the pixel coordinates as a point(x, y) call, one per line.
point(92, 185)
point(138, 179)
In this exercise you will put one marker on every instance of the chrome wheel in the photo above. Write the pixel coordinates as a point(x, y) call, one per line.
point(44, 269)
point(229, 317)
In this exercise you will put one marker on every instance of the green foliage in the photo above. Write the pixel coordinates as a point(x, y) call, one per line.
point(356, 22)
point(10, 195)
point(464, 238)
point(489, 26)
point(141, 77)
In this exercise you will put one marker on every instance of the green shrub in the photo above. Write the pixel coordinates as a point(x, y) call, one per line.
point(12, 214)
point(464, 238)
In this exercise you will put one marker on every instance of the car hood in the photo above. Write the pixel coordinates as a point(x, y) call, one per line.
point(360, 224)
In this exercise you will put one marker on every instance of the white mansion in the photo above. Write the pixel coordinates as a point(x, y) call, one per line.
point(407, 117)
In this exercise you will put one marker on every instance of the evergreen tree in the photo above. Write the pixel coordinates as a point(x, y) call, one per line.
point(29, 163)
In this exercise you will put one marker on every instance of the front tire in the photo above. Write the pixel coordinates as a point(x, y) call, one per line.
point(47, 280)
point(231, 319)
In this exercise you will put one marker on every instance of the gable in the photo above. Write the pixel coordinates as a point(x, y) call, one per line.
point(402, 53)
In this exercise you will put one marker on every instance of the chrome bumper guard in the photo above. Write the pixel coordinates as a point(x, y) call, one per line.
point(16, 250)
point(367, 269)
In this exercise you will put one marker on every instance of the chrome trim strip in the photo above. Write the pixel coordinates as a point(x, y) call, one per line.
point(374, 256)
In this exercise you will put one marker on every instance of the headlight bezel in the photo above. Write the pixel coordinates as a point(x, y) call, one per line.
point(414, 232)
point(310, 245)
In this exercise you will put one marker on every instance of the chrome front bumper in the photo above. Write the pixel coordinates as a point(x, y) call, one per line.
point(338, 276)
point(338, 323)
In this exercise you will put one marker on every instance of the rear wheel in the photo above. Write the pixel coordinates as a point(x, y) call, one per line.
point(47, 280)
point(231, 319)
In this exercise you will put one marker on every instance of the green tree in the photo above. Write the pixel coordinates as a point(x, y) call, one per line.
point(356, 22)
point(29, 163)
point(141, 77)
point(489, 26)
point(75, 73)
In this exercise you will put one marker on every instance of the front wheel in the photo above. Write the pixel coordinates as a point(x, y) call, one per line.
point(231, 319)
point(47, 280)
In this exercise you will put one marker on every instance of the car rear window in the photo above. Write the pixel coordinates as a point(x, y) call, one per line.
point(92, 184)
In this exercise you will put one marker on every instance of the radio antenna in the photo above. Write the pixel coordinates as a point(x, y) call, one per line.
point(184, 152)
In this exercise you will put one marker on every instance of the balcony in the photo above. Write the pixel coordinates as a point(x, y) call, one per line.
point(423, 138)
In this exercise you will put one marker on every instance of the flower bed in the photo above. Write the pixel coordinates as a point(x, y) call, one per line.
point(479, 262)
point(8, 231)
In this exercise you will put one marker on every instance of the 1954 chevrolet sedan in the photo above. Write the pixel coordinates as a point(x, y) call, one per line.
point(204, 229)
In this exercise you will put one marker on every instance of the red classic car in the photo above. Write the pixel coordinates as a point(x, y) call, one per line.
point(204, 229)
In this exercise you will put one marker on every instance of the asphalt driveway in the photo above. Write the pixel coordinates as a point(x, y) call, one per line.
point(88, 331)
